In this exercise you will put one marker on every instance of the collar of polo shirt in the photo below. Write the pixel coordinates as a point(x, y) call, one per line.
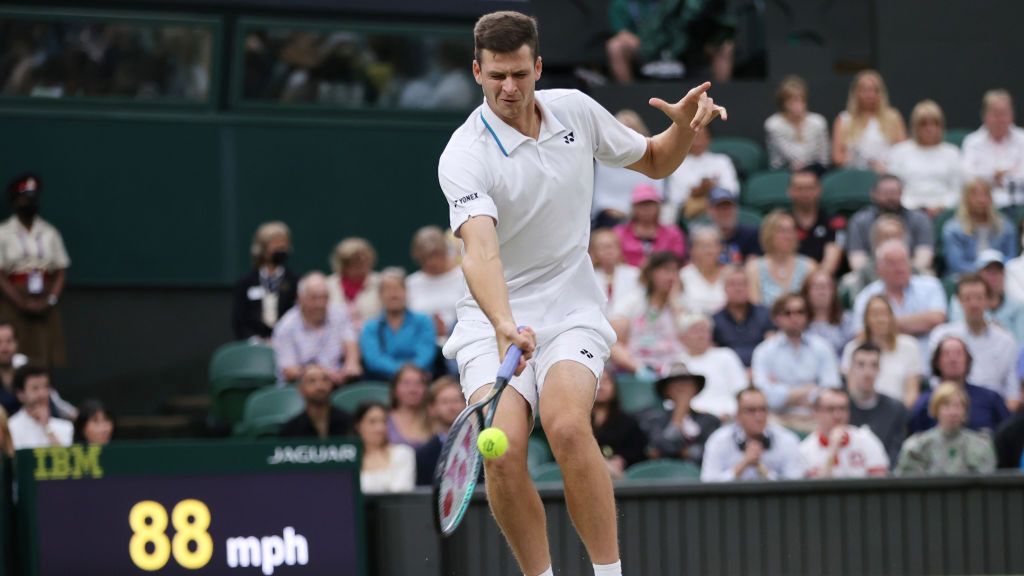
point(508, 138)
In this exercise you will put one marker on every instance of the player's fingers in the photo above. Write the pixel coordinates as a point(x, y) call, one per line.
point(697, 91)
point(722, 112)
point(660, 104)
point(702, 116)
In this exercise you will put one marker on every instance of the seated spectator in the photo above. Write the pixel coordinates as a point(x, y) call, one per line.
point(409, 418)
point(316, 332)
point(645, 325)
point(885, 416)
point(354, 283)
point(739, 242)
point(782, 269)
point(838, 450)
point(948, 448)
point(398, 336)
point(33, 263)
point(622, 441)
point(675, 429)
point(993, 348)
point(918, 301)
point(1009, 443)
point(436, 288)
point(725, 375)
point(10, 361)
point(951, 362)
point(900, 366)
point(1003, 309)
point(816, 230)
point(751, 448)
point(863, 133)
point(688, 188)
point(95, 424)
point(703, 284)
point(886, 200)
point(446, 403)
point(613, 186)
point(741, 325)
point(793, 364)
point(34, 426)
point(995, 152)
point(886, 227)
point(320, 419)
point(619, 281)
point(387, 467)
point(267, 291)
point(929, 167)
point(642, 235)
point(827, 317)
point(6, 444)
point(796, 138)
point(977, 226)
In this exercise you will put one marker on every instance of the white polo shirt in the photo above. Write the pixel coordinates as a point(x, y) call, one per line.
point(539, 193)
point(860, 455)
point(26, 432)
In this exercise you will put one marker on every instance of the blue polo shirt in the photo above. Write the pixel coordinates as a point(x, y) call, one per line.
point(742, 337)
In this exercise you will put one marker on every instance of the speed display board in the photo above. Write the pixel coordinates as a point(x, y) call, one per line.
point(217, 509)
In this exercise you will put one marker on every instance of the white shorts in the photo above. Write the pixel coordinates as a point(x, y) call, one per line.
point(478, 362)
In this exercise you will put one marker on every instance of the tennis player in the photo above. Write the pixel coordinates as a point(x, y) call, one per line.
point(519, 179)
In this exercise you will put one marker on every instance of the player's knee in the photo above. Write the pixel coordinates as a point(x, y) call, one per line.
point(567, 434)
point(510, 465)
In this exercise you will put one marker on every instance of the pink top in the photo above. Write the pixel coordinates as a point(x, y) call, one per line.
point(635, 251)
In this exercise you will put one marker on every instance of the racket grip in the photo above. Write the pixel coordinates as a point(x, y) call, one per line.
point(508, 366)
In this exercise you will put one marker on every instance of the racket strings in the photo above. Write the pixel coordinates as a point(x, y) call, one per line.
point(459, 473)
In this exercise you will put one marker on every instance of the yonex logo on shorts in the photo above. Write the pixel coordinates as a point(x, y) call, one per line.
point(586, 353)
point(569, 138)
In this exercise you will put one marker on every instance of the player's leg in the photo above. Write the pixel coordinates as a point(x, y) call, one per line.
point(570, 386)
point(510, 492)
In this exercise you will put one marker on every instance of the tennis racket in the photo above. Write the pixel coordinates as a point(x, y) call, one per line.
point(459, 464)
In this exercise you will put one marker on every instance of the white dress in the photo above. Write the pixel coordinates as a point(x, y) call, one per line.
point(871, 146)
point(932, 175)
point(399, 476)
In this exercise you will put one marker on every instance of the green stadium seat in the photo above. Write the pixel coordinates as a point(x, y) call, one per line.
point(538, 453)
point(663, 470)
point(749, 217)
point(747, 155)
point(955, 136)
point(549, 472)
point(267, 408)
point(236, 370)
point(766, 191)
point(846, 191)
point(351, 396)
point(635, 395)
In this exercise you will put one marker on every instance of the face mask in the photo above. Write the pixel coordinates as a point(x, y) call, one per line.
point(279, 258)
point(27, 211)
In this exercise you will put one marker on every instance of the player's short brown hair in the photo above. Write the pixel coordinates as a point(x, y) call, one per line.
point(505, 32)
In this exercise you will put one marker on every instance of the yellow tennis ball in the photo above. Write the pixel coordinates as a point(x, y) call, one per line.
point(492, 443)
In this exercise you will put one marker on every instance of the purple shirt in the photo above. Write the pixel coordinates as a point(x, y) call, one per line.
point(297, 344)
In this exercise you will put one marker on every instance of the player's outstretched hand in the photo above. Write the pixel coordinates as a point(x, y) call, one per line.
point(695, 110)
point(525, 339)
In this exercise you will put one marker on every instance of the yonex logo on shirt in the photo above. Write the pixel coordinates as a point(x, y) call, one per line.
point(465, 199)
point(569, 138)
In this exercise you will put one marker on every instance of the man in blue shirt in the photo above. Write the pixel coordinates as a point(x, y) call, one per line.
point(398, 336)
point(951, 362)
point(741, 325)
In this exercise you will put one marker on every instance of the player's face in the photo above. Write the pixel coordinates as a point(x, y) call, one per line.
point(8, 345)
point(508, 80)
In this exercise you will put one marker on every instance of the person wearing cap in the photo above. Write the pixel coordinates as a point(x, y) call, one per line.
point(687, 189)
point(724, 372)
point(752, 448)
point(675, 429)
point(33, 262)
point(1002, 308)
point(820, 234)
point(977, 226)
point(739, 241)
point(992, 346)
point(948, 448)
point(642, 235)
point(793, 365)
point(952, 361)
point(838, 450)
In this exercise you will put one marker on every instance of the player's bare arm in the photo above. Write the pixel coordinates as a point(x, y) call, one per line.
point(485, 277)
point(666, 151)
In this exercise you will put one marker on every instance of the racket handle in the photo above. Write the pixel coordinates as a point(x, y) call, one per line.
point(508, 367)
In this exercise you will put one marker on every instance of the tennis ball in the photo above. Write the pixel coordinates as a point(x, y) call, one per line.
point(492, 443)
